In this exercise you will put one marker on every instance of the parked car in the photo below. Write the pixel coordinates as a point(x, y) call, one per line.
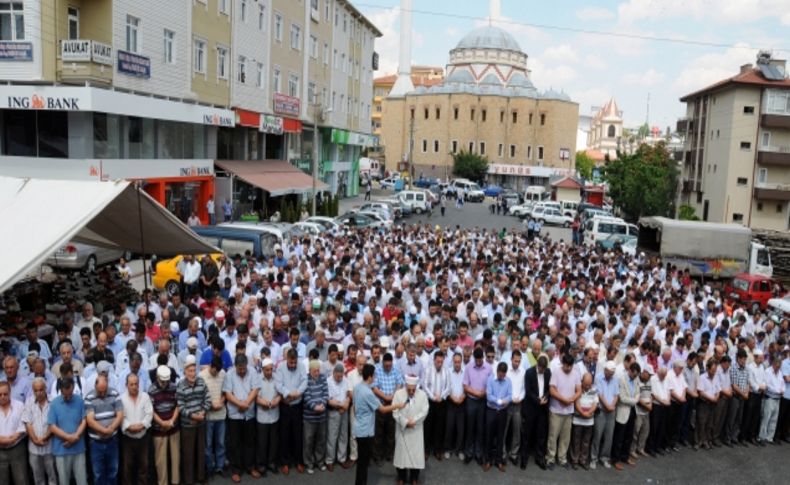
point(405, 209)
point(359, 220)
point(493, 191)
point(613, 240)
point(385, 209)
point(512, 198)
point(780, 306)
point(383, 220)
point(388, 183)
point(425, 183)
point(752, 290)
point(472, 192)
point(166, 277)
point(551, 215)
point(85, 257)
point(312, 228)
point(417, 200)
point(522, 210)
point(329, 223)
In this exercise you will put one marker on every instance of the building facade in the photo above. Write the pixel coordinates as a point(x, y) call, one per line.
point(123, 83)
point(606, 130)
point(485, 105)
point(736, 158)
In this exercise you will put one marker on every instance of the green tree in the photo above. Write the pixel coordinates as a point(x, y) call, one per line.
point(643, 183)
point(470, 166)
point(687, 213)
point(584, 165)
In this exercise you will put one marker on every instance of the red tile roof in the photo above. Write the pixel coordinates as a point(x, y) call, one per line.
point(567, 183)
point(751, 77)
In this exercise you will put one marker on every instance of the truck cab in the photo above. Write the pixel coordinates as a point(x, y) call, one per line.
point(760, 260)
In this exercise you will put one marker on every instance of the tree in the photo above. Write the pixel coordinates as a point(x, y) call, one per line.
point(470, 166)
point(687, 213)
point(584, 165)
point(643, 183)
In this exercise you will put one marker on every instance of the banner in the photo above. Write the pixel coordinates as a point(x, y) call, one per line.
point(271, 124)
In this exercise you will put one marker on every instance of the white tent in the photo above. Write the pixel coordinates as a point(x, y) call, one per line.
point(39, 216)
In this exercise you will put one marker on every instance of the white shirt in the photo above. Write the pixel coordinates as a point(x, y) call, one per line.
point(517, 382)
point(338, 391)
point(136, 411)
point(756, 377)
point(436, 382)
point(659, 388)
point(774, 382)
point(191, 272)
point(36, 416)
point(540, 384)
point(677, 383)
point(456, 383)
point(11, 423)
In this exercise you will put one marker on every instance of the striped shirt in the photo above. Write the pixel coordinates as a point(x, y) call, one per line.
point(104, 409)
point(739, 376)
point(317, 393)
point(164, 401)
point(388, 382)
point(192, 399)
point(35, 414)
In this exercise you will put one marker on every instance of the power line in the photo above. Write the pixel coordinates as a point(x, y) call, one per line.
point(602, 33)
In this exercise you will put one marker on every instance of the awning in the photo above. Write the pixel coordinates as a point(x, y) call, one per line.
point(39, 216)
point(277, 177)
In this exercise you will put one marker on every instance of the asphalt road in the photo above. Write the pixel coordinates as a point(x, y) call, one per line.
point(472, 214)
point(751, 465)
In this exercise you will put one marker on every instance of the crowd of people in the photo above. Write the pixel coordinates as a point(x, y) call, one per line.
point(413, 344)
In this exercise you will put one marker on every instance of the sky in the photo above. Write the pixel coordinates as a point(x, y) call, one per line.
point(705, 41)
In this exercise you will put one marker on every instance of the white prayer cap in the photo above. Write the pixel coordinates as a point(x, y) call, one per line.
point(412, 380)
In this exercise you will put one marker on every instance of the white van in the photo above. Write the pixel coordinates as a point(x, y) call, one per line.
point(535, 193)
point(472, 191)
point(569, 207)
point(417, 200)
point(599, 228)
point(369, 168)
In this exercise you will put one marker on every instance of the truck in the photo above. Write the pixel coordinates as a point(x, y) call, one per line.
point(705, 249)
point(369, 168)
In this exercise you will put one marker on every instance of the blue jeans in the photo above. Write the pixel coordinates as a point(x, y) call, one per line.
point(212, 220)
point(104, 461)
point(215, 445)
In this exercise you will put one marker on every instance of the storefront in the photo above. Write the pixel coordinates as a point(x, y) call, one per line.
point(519, 177)
point(340, 162)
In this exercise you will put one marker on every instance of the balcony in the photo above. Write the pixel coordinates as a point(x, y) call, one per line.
point(768, 191)
point(83, 60)
point(775, 156)
point(775, 121)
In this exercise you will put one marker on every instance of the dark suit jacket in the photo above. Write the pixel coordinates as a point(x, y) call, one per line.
point(531, 398)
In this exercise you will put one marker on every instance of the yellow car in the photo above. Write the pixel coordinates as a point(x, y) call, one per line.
point(167, 276)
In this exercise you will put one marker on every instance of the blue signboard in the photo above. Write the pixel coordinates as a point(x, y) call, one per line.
point(16, 51)
point(133, 64)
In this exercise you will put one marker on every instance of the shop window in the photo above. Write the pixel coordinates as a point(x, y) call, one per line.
point(105, 136)
point(19, 133)
point(140, 137)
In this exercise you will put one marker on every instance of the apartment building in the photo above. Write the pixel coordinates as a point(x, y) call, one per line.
point(164, 91)
point(736, 158)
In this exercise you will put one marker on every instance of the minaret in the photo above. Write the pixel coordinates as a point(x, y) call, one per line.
point(494, 11)
point(403, 84)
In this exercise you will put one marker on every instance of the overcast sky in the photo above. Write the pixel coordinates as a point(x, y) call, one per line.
point(592, 68)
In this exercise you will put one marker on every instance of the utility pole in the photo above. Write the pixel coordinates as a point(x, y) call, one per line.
point(316, 113)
